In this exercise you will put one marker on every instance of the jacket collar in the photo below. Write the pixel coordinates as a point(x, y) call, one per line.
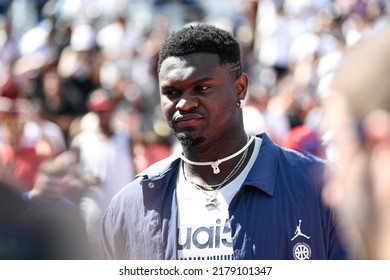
point(264, 170)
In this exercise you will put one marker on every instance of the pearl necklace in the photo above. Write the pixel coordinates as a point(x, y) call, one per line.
point(215, 164)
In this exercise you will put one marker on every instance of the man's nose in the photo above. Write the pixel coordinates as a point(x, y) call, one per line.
point(187, 102)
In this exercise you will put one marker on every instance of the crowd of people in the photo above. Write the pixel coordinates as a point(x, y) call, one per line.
point(80, 108)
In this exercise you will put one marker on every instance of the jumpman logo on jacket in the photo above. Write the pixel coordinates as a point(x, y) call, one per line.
point(298, 232)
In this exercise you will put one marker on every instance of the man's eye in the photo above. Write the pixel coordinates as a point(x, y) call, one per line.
point(171, 92)
point(202, 88)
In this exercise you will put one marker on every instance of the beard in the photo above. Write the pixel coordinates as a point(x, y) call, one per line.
point(188, 142)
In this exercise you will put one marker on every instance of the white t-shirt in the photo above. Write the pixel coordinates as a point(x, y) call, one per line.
point(109, 159)
point(204, 233)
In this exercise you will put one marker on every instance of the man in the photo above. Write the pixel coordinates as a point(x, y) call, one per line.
point(357, 112)
point(53, 209)
point(104, 150)
point(229, 195)
point(44, 223)
point(18, 162)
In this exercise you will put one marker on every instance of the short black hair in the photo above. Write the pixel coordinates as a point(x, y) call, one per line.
point(206, 38)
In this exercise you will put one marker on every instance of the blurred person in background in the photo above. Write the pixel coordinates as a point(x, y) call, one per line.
point(45, 223)
point(55, 103)
point(105, 149)
point(22, 161)
point(38, 128)
point(91, 211)
point(357, 113)
point(78, 66)
point(53, 212)
point(148, 148)
point(14, 242)
point(303, 139)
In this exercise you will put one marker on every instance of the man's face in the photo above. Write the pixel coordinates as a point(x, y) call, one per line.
point(348, 183)
point(198, 98)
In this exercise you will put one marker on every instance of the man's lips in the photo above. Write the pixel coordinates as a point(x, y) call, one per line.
point(187, 121)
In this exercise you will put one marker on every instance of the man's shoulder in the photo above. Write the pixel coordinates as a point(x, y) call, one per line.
point(286, 156)
point(299, 157)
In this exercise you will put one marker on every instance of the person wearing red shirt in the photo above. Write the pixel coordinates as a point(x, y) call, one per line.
point(19, 164)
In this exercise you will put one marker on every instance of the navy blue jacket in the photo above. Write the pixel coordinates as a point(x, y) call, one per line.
point(277, 213)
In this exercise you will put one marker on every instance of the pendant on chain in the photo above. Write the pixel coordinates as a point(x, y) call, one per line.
point(211, 202)
point(215, 166)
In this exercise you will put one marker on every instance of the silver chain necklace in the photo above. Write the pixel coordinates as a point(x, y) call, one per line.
point(211, 199)
point(215, 164)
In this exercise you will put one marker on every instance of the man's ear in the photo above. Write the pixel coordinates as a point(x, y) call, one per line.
point(241, 86)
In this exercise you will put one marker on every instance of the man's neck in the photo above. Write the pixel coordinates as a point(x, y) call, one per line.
point(217, 149)
point(204, 174)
